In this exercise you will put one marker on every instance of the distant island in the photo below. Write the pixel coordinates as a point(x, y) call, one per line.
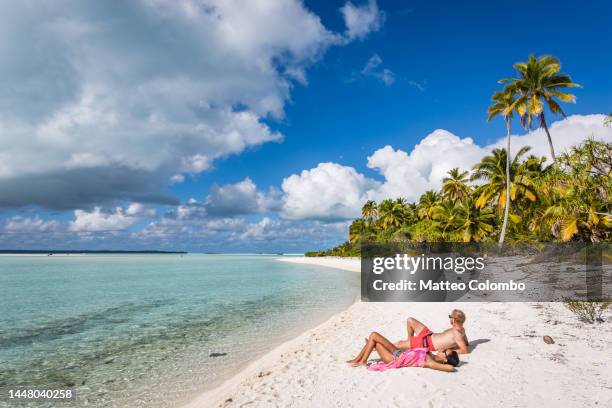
point(74, 251)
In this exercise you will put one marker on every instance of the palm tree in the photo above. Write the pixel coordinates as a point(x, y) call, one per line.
point(369, 211)
point(538, 84)
point(411, 213)
point(492, 170)
point(401, 201)
point(474, 223)
point(455, 185)
point(390, 214)
point(356, 231)
point(445, 214)
point(427, 204)
point(503, 104)
point(577, 203)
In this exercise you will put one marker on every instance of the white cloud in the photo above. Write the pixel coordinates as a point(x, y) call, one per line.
point(361, 20)
point(410, 174)
point(564, 133)
point(131, 98)
point(20, 224)
point(332, 191)
point(119, 219)
point(238, 199)
point(314, 232)
point(373, 68)
point(139, 210)
point(327, 192)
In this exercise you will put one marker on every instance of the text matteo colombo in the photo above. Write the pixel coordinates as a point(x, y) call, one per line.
point(459, 265)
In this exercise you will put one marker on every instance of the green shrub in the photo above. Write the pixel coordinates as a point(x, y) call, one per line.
point(589, 312)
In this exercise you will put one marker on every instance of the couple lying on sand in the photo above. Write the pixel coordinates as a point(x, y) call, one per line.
point(416, 350)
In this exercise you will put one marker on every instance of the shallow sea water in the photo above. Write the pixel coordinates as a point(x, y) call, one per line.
point(139, 330)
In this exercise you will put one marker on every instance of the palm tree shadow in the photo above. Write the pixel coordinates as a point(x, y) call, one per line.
point(475, 343)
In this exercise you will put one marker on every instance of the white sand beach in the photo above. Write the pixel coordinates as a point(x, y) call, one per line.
point(509, 365)
point(347, 264)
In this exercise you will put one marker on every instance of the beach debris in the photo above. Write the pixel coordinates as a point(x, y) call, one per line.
point(109, 360)
point(548, 340)
point(262, 374)
point(217, 354)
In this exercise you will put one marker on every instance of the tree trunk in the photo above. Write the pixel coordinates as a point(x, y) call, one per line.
point(550, 143)
point(502, 236)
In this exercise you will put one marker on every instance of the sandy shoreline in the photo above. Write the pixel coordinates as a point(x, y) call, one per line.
point(510, 364)
point(347, 264)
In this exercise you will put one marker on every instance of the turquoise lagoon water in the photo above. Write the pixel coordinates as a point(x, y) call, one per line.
point(138, 330)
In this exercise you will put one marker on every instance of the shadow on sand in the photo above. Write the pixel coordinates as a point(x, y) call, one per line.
point(475, 343)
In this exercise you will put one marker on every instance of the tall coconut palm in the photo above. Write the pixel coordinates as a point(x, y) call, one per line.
point(369, 211)
point(427, 204)
point(492, 170)
point(503, 104)
point(455, 185)
point(539, 83)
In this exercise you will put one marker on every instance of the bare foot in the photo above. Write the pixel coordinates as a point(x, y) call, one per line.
point(358, 363)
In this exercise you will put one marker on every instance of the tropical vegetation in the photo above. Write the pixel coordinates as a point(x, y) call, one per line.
point(503, 198)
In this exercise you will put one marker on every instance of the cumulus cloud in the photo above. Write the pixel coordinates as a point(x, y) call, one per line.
point(19, 224)
point(239, 199)
point(565, 134)
point(119, 219)
point(410, 174)
point(361, 20)
point(331, 191)
point(118, 102)
point(275, 230)
point(198, 232)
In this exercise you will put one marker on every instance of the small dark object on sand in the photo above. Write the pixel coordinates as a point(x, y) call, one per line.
point(548, 340)
point(217, 354)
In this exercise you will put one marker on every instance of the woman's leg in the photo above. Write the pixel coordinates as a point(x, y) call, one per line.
point(360, 353)
point(434, 365)
point(385, 354)
point(373, 340)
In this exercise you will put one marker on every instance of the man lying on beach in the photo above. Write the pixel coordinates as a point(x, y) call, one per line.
point(393, 357)
point(453, 338)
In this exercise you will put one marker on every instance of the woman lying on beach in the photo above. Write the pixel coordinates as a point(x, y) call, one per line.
point(392, 357)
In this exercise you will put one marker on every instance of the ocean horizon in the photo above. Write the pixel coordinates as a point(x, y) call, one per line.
point(153, 329)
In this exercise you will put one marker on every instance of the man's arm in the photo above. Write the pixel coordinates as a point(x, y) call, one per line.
point(460, 339)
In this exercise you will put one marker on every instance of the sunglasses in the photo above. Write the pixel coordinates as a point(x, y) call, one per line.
point(451, 317)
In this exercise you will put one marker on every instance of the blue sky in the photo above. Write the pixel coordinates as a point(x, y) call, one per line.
point(208, 127)
point(456, 52)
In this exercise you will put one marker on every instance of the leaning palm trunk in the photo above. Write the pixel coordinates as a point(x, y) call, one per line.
point(550, 143)
point(502, 236)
